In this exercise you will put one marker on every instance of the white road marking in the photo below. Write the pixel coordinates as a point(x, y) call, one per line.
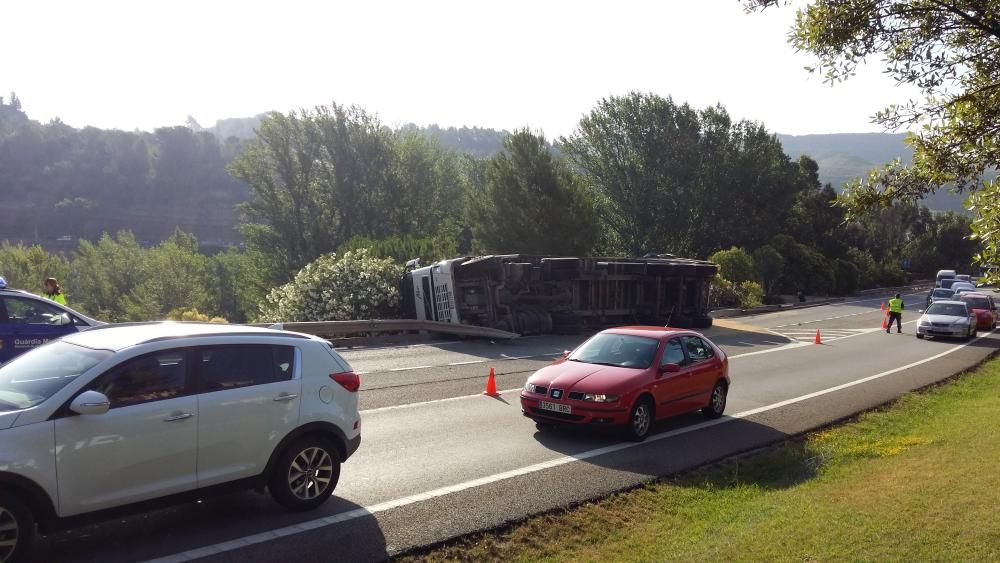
point(410, 368)
point(467, 363)
point(270, 535)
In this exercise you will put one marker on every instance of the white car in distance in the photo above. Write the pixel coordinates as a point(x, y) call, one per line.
point(116, 417)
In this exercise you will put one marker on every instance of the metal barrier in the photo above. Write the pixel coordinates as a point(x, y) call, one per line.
point(343, 329)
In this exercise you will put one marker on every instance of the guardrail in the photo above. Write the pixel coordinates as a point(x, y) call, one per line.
point(344, 329)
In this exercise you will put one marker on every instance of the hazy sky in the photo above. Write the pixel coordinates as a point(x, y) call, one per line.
point(541, 63)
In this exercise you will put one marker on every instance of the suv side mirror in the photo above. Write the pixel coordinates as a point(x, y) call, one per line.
point(90, 402)
point(670, 368)
point(64, 320)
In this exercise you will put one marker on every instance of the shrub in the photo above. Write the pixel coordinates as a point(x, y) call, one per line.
point(192, 314)
point(750, 294)
point(745, 294)
point(353, 286)
point(735, 264)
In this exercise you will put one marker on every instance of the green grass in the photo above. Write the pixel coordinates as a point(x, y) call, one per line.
point(916, 481)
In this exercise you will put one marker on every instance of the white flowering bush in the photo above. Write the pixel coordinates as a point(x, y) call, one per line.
point(356, 285)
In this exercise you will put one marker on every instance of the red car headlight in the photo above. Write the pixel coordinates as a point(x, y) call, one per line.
point(600, 398)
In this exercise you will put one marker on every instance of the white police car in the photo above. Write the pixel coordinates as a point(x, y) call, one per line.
point(28, 321)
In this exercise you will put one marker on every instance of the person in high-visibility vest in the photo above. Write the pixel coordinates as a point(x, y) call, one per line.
point(895, 314)
point(53, 291)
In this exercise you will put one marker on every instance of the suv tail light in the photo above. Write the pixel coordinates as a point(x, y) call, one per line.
point(347, 379)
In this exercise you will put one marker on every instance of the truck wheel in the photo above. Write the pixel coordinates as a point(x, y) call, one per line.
point(17, 528)
point(305, 475)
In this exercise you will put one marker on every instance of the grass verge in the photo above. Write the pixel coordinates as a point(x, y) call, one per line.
point(915, 481)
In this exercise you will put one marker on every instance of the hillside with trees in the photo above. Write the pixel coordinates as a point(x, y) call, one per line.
point(60, 182)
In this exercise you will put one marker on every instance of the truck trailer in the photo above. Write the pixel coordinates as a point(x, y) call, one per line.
point(530, 294)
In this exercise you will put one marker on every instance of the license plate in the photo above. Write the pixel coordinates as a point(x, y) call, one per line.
point(555, 407)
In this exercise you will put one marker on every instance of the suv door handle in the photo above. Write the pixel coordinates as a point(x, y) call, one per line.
point(285, 397)
point(178, 416)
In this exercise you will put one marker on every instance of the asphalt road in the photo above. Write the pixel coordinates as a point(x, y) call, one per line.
point(438, 459)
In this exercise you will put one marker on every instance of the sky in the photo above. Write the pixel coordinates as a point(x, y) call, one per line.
point(538, 63)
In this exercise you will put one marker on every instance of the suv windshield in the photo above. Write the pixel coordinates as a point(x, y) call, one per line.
point(36, 375)
point(621, 350)
point(948, 309)
point(943, 293)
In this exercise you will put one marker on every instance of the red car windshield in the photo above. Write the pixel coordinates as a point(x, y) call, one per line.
point(620, 350)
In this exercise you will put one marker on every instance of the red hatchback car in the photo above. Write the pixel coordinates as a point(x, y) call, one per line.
point(984, 307)
point(631, 377)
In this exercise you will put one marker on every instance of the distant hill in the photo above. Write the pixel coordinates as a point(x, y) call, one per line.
point(843, 157)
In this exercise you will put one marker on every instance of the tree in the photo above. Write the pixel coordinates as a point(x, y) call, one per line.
point(769, 265)
point(665, 176)
point(639, 156)
point(25, 267)
point(320, 178)
point(949, 50)
point(532, 202)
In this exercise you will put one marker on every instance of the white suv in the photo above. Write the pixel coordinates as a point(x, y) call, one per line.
point(121, 415)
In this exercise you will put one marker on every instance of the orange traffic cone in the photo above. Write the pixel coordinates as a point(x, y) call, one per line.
point(817, 340)
point(883, 305)
point(885, 321)
point(491, 385)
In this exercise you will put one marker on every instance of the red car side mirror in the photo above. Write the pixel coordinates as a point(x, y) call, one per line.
point(670, 368)
point(565, 353)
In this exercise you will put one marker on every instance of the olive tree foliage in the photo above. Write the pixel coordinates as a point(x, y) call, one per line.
point(950, 51)
point(319, 178)
point(355, 285)
point(532, 202)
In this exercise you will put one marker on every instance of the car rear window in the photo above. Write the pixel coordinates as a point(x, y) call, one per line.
point(948, 309)
point(943, 293)
point(36, 375)
point(977, 302)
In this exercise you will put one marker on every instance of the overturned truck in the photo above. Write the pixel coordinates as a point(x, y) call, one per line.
point(530, 294)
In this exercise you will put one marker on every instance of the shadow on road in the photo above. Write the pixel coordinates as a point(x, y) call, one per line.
point(676, 445)
point(186, 527)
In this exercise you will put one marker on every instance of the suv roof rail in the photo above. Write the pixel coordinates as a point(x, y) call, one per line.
point(271, 334)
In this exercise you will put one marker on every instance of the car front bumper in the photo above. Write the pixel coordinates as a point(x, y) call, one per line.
point(951, 331)
point(581, 412)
